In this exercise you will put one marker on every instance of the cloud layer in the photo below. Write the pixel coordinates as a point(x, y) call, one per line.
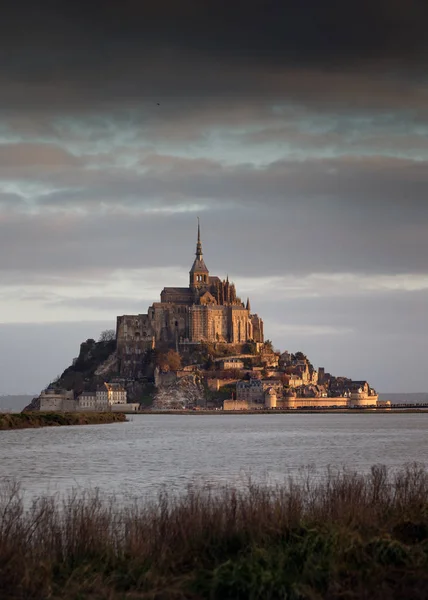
point(297, 133)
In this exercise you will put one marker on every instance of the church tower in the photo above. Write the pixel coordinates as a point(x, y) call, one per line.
point(199, 274)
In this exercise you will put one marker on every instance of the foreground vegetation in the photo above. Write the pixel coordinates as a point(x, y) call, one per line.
point(344, 535)
point(27, 420)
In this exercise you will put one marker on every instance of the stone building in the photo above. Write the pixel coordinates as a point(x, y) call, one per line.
point(107, 397)
point(96, 401)
point(53, 399)
point(110, 393)
point(87, 401)
point(231, 363)
point(253, 390)
point(208, 310)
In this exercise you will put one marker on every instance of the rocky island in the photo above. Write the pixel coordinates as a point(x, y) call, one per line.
point(201, 347)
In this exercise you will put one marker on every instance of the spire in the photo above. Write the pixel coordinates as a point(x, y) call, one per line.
point(199, 243)
point(248, 307)
point(199, 274)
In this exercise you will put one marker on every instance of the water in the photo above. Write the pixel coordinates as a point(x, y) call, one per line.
point(149, 452)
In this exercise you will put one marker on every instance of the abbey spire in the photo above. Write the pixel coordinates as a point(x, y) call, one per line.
point(199, 274)
point(199, 243)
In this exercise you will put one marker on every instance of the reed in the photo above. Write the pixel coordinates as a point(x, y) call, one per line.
point(342, 535)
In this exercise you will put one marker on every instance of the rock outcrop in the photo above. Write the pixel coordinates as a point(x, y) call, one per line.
point(186, 392)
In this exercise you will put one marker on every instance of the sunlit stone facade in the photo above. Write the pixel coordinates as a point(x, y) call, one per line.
point(206, 311)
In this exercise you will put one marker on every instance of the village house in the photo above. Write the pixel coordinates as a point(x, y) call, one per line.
point(231, 363)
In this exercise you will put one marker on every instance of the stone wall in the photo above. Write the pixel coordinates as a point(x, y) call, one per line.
point(217, 325)
point(128, 407)
point(257, 325)
point(54, 404)
point(241, 328)
point(236, 405)
point(170, 323)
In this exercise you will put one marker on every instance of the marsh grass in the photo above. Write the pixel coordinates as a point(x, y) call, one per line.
point(343, 535)
point(35, 419)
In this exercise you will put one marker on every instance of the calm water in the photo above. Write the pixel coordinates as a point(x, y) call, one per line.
point(151, 451)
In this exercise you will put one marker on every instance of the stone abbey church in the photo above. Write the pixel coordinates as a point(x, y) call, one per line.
point(206, 311)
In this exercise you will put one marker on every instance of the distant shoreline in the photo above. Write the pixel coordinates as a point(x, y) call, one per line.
point(35, 420)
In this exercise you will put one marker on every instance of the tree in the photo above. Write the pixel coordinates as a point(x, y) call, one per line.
point(210, 364)
point(169, 361)
point(234, 374)
point(108, 335)
point(268, 346)
point(250, 347)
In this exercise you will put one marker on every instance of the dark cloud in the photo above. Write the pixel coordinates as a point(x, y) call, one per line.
point(258, 30)
point(106, 52)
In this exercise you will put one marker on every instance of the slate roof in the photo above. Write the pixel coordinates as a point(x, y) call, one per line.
point(199, 265)
point(178, 290)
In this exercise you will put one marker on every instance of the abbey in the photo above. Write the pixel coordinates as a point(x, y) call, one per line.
point(206, 311)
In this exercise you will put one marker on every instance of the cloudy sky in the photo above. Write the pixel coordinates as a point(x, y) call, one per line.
point(296, 131)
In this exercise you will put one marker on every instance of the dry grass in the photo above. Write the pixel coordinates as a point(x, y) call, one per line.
point(345, 535)
point(35, 419)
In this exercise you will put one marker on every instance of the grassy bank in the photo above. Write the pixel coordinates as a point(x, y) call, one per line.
point(342, 536)
point(27, 420)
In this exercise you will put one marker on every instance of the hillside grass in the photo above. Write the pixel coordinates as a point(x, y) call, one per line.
point(343, 535)
point(26, 420)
